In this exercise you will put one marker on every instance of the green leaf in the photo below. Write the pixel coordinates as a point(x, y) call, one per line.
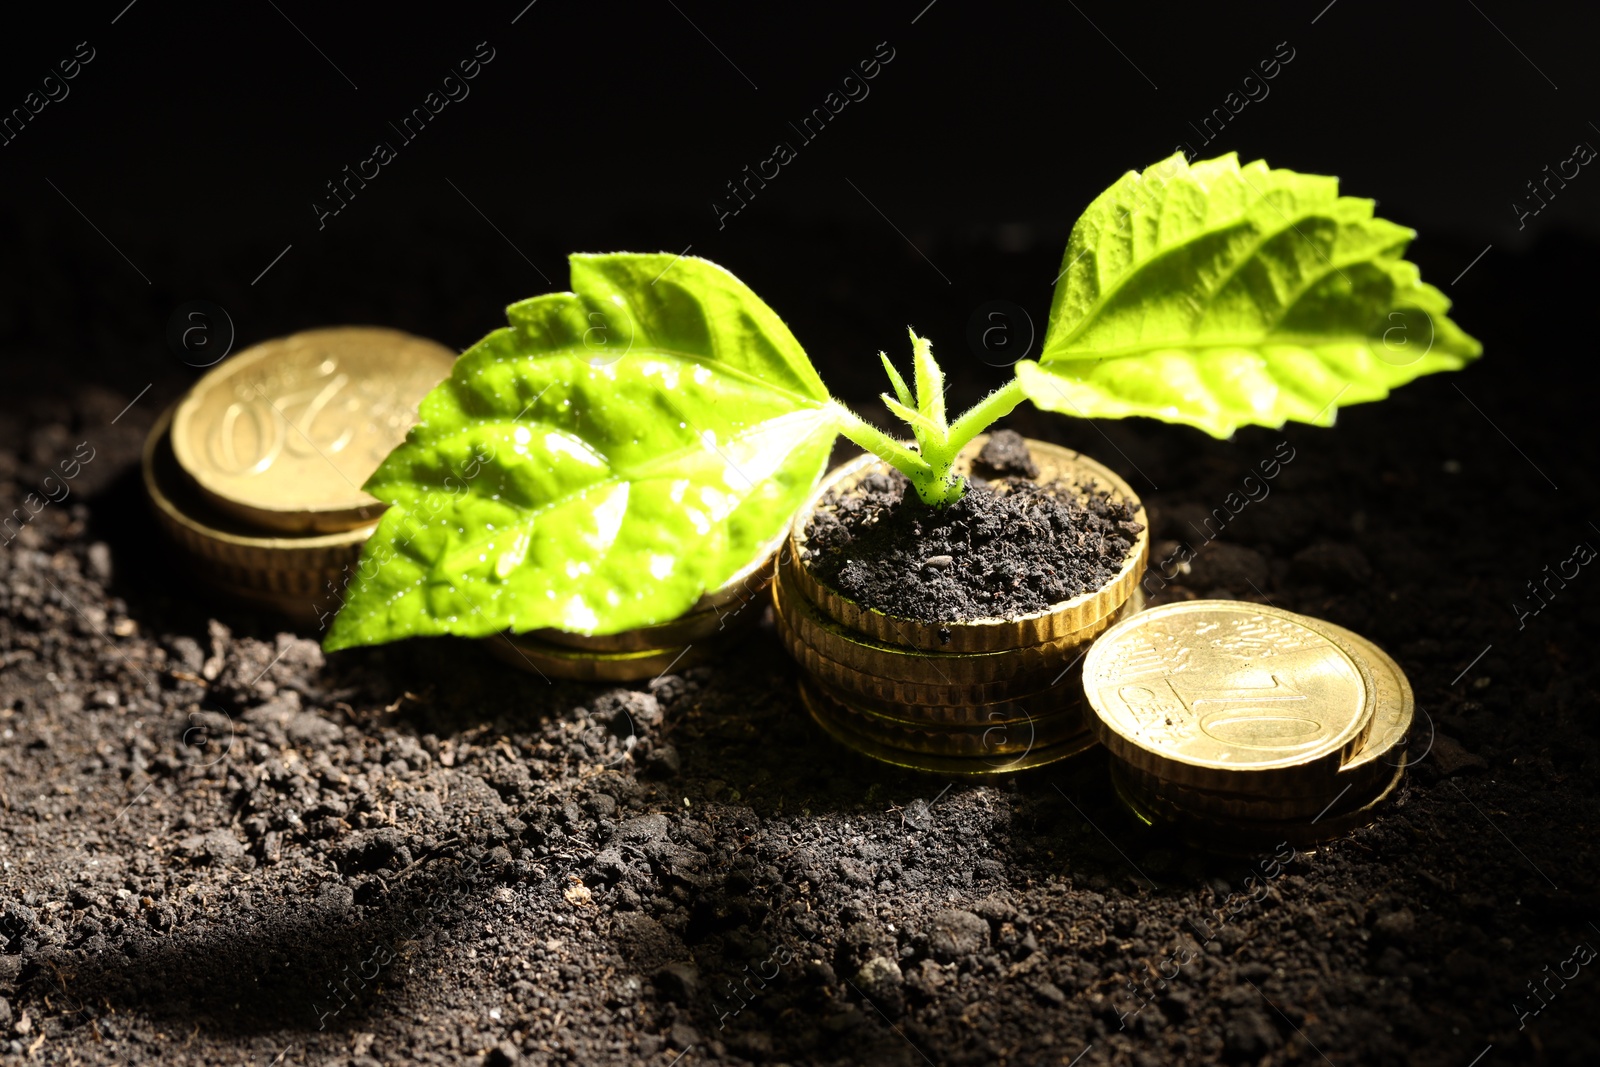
point(978, 418)
point(929, 378)
point(899, 383)
point(597, 465)
point(926, 429)
point(1222, 295)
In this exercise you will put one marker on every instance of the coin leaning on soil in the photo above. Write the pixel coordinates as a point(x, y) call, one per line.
point(1229, 696)
point(284, 434)
point(299, 577)
point(1255, 687)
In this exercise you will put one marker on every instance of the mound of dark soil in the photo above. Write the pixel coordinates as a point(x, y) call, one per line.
point(1012, 547)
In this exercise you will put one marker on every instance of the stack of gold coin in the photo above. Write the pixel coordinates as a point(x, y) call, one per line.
point(1244, 725)
point(984, 696)
point(256, 474)
point(649, 651)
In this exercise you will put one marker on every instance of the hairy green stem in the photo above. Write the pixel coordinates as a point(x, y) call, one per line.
point(929, 471)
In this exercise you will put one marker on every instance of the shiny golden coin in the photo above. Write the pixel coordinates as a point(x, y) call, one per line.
point(283, 434)
point(1229, 696)
point(938, 701)
point(986, 676)
point(735, 605)
point(303, 578)
point(953, 705)
point(1367, 772)
point(979, 635)
point(1237, 836)
point(1228, 805)
point(1382, 754)
point(998, 729)
point(553, 661)
point(1065, 697)
point(835, 721)
point(1370, 773)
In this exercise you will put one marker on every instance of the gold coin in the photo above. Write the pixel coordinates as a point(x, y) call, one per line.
point(979, 635)
point(1238, 836)
point(936, 701)
point(997, 729)
point(303, 578)
point(1218, 804)
point(554, 661)
point(1370, 773)
point(987, 675)
point(1367, 772)
point(283, 434)
point(1063, 698)
point(931, 703)
point(1382, 755)
point(835, 721)
point(1229, 696)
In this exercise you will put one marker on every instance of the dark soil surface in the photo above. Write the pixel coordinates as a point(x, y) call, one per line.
point(218, 846)
point(1006, 548)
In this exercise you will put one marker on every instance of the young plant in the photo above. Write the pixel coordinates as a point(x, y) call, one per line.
point(618, 450)
point(938, 441)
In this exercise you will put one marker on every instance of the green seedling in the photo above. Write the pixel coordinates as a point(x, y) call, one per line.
point(616, 451)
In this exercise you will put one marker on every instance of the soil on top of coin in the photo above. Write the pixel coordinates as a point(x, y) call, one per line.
point(1007, 548)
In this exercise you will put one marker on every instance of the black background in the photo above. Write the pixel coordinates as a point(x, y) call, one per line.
point(192, 148)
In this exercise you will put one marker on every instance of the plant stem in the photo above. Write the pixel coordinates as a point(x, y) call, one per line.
point(930, 467)
point(986, 412)
point(879, 443)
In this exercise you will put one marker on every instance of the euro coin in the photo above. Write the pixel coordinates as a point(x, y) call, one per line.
point(986, 676)
point(283, 434)
point(1246, 836)
point(839, 723)
point(302, 578)
point(1228, 696)
point(1006, 728)
point(1228, 814)
point(554, 661)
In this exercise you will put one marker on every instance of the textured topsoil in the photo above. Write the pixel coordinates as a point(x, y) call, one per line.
point(1009, 547)
point(219, 846)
